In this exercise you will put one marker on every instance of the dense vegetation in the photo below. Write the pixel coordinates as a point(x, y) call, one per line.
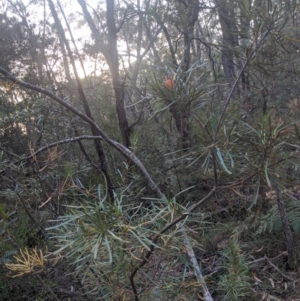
point(150, 150)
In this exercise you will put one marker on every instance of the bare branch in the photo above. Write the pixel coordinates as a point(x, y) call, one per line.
point(118, 146)
point(65, 141)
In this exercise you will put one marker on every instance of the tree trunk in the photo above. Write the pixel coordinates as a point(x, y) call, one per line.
point(113, 62)
point(229, 36)
point(180, 116)
point(110, 52)
point(190, 19)
point(286, 227)
point(97, 142)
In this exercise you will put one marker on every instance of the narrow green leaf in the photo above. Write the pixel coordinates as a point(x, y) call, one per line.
point(108, 249)
point(116, 237)
point(139, 239)
point(267, 175)
point(221, 160)
point(231, 160)
point(205, 164)
point(255, 197)
point(96, 247)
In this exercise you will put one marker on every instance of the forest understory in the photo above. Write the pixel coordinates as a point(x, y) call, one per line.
point(150, 150)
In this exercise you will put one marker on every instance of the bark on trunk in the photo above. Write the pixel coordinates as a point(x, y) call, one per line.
point(110, 52)
point(180, 116)
point(113, 62)
point(97, 143)
point(286, 227)
point(230, 36)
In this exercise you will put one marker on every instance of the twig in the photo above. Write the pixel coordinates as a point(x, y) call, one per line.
point(65, 141)
point(278, 270)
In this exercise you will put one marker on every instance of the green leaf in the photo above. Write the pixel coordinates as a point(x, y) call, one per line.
point(256, 195)
point(139, 239)
point(108, 249)
point(267, 175)
point(221, 160)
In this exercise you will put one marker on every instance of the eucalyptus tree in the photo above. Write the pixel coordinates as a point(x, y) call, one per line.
point(106, 42)
point(13, 40)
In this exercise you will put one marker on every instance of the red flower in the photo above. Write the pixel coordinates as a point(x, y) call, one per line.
point(170, 83)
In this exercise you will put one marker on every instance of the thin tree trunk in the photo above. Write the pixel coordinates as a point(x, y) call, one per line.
point(230, 39)
point(113, 62)
point(110, 52)
point(286, 227)
point(191, 17)
point(98, 144)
